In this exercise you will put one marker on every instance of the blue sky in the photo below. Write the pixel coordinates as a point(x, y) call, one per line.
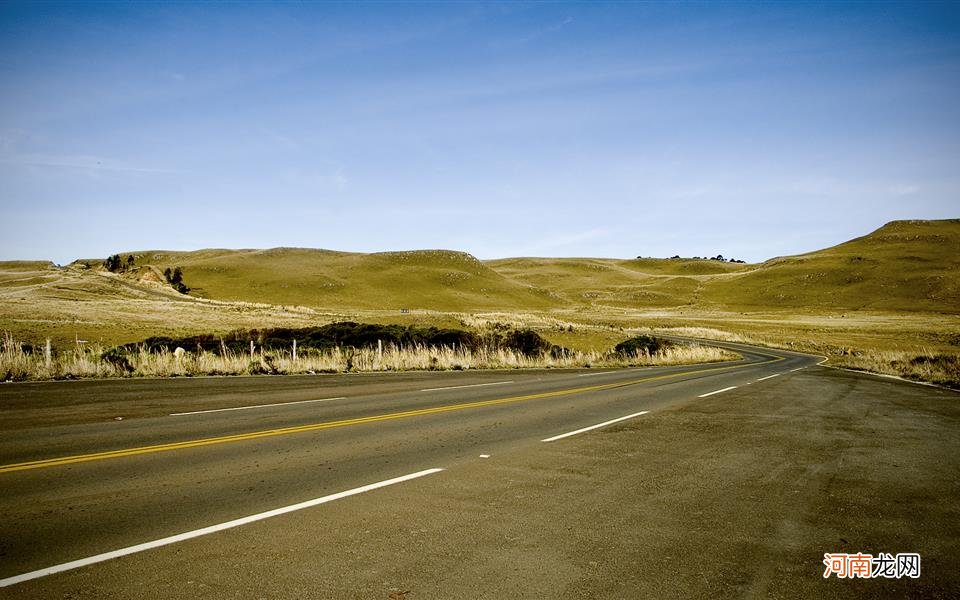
point(503, 129)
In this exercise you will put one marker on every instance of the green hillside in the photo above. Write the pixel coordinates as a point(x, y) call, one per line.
point(898, 287)
point(903, 266)
point(426, 279)
point(641, 283)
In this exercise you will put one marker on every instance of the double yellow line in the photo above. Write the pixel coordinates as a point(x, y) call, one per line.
point(80, 458)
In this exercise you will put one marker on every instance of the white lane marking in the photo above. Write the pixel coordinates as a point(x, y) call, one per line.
point(769, 377)
point(797, 369)
point(484, 456)
point(208, 530)
point(213, 410)
point(458, 387)
point(727, 389)
point(885, 376)
point(602, 373)
point(597, 426)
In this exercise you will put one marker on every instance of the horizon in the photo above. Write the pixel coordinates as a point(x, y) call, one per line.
point(501, 130)
point(337, 250)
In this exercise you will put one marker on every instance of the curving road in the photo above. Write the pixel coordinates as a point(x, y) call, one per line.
point(721, 479)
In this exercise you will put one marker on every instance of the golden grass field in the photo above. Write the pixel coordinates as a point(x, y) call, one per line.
point(877, 302)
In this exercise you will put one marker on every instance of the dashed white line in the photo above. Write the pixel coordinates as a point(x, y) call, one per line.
point(207, 530)
point(726, 389)
point(457, 387)
point(769, 377)
point(601, 373)
point(213, 410)
point(484, 456)
point(797, 369)
point(592, 427)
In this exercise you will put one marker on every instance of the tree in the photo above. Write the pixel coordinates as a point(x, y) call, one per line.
point(175, 278)
point(112, 263)
point(130, 261)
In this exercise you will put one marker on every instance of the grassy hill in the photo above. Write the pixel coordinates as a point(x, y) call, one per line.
point(638, 283)
point(903, 266)
point(438, 280)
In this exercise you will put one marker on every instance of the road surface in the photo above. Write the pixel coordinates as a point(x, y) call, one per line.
point(728, 479)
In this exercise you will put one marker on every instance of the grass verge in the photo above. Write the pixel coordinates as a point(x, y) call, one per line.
point(22, 363)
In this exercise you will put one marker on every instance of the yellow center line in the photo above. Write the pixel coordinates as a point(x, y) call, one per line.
point(79, 458)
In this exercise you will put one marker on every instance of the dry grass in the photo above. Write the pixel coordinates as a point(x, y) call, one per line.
point(19, 365)
point(941, 369)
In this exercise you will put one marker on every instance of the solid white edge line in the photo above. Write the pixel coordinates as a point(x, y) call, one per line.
point(597, 426)
point(726, 389)
point(458, 387)
point(769, 377)
point(885, 376)
point(208, 530)
point(213, 410)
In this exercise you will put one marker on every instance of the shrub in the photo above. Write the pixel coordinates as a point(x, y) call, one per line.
point(642, 344)
point(112, 263)
point(117, 357)
point(528, 342)
point(348, 334)
point(175, 278)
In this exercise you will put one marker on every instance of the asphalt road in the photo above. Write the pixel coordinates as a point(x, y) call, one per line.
point(726, 480)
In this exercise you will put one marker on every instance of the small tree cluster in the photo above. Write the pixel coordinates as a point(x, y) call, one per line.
point(722, 259)
point(718, 257)
point(175, 278)
point(115, 264)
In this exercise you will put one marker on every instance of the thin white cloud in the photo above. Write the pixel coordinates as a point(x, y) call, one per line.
point(88, 163)
point(534, 35)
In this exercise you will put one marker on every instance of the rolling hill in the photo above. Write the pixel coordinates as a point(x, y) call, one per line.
point(903, 267)
point(439, 280)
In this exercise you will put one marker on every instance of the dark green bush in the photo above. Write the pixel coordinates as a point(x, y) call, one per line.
point(527, 342)
point(118, 358)
point(348, 334)
point(642, 344)
point(112, 263)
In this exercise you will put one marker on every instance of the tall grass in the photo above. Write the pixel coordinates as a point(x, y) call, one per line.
point(19, 364)
point(941, 369)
